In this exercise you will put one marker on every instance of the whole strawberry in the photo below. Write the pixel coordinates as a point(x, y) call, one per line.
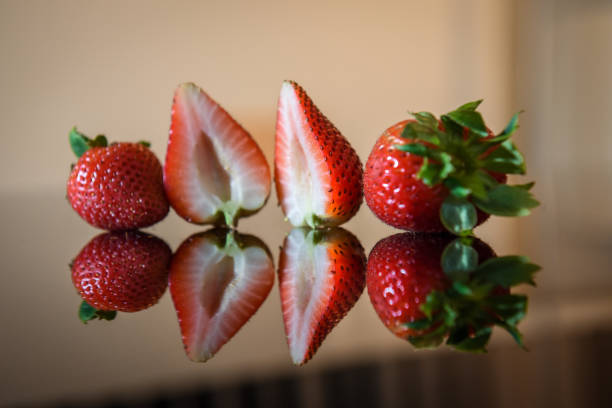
point(428, 288)
point(428, 175)
point(116, 187)
point(121, 271)
point(321, 275)
point(317, 173)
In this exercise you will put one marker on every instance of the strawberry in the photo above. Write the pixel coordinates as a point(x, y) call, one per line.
point(218, 280)
point(215, 172)
point(318, 174)
point(116, 187)
point(321, 276)
point(428, 175)
point(121, 271)
point(426, 288)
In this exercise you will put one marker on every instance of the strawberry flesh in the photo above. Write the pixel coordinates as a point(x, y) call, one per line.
point(318, 174)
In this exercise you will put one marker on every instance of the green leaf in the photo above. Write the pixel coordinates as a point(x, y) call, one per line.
point(474, 181)
point(432, 173)
point(420, 324)
point(145, 143)
point(433, 303)
point(429, 340)
point(99, 141)
point(470, 106)
point(508, 201)
point(426, 119)
point(507, 271)
point(455, 188)
point(476, 343)
point(415, 148)
point(469, 119)
point(458, 215)
point(526, 186)
point(459, 260)
point(510, 308)
point(418, 131)
point(79, 143)
point(514, 332)
point(88, 312)
point(462, 289)
point(506, 158)
point(511, 126)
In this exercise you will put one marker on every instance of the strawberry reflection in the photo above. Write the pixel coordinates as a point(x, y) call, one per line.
point(120, 271)
point(321, 276)
point(218, 280)
point(428, 289)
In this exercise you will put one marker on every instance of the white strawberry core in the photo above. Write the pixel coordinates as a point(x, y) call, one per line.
point(307, 287)
point(302, 169)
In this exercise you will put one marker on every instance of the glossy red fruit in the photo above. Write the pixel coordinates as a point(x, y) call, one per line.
point(215, 172)
point(318, 174)
point(402, 270)
point(119, 187)
point(122, 271)
point(218, 280)
point(396, 195)
point(321, 276)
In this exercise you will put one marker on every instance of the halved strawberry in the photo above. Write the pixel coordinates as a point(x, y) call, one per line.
point(214, 172)
point(218, 280)
point(318, 174)
point(321, 276)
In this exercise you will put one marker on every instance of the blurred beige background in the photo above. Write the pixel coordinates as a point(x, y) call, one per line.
point(112, 66)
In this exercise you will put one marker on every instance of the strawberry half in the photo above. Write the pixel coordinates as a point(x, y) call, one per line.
point(218, 280)
point(215, 172)
point(321, 276)
point(121, 271)
point(318, 174)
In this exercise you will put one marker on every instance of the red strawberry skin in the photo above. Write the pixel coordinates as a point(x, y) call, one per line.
point(402, 270)
point(318, 175)
point(119, 187)
point(122, 271)
point(315, 300)
point(395, 194)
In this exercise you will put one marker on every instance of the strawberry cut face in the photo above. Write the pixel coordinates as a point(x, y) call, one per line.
point(214, 172)
point(218, 280)
point(317, 172)
point(321, 277)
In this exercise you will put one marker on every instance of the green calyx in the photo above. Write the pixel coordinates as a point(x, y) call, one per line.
point(465, 314)
point(88, 312)
point(79, 143)
point(458, 153)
